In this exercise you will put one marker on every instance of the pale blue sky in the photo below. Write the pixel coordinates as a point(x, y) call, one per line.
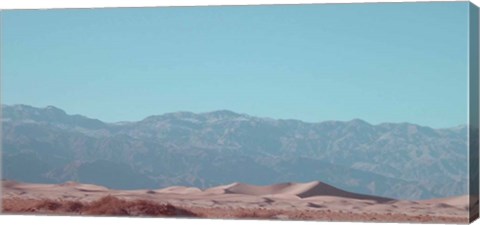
point(392, 62)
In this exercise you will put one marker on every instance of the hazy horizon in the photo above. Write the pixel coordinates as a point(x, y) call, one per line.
point(395, 62)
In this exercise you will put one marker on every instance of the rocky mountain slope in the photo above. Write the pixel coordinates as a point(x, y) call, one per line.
point(396, 160)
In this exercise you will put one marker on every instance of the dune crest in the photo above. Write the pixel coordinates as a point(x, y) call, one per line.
point(301, 190)
point(179, 190)
point(84, 187)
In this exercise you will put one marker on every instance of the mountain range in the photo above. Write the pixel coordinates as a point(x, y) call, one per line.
point(394, 160)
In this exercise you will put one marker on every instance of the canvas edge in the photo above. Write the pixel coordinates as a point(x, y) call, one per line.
point(473, 112)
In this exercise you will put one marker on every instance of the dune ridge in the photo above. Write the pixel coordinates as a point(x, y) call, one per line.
point(179, 190)
point(301, 190)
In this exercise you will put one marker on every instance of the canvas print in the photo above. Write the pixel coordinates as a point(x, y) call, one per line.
point(318, 112)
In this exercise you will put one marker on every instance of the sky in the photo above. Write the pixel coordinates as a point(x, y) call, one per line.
point(390, 62)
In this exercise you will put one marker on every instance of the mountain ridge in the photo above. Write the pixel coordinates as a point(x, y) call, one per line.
point(225, 111)
point(403, 160)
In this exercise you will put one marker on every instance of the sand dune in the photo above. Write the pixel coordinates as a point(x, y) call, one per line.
point(85, 187)
point(302, 190)
point(180, 190)
point(299, 201)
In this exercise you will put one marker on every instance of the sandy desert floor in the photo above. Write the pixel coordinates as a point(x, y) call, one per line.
point(287, 201)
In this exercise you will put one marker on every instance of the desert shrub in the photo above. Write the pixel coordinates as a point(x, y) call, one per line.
point(105, 206)
point(48, 205)
point(110, 205)
point(73, 206)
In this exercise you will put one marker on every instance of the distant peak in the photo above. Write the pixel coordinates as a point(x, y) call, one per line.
point(172, 115)
point(181, 114)
point(23, 107)
point(51, 107)
point(54, 109)
point(359, 122)
point(222, 113)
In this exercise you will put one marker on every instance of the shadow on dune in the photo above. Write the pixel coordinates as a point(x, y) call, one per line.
point(301, 190)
